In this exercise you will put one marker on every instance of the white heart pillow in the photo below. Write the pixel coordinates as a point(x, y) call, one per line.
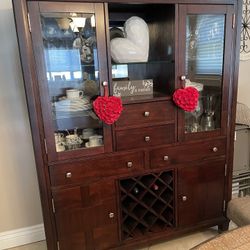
point(135, 46)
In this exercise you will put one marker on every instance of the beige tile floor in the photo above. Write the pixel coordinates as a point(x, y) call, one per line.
point(182, 243)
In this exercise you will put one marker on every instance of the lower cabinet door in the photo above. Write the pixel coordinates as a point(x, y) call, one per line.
point(200, 192)
point(86, 217)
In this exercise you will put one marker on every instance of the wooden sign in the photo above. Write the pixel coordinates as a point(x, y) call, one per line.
point(133, 88)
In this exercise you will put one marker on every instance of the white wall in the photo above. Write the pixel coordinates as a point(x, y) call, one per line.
point(19, 196)
point(244, 83)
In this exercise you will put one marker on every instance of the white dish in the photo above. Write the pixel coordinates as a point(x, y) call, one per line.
point(86, 136)
point(88, 146)
point(83, 98)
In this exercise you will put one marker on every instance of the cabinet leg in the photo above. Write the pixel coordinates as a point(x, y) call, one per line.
point(223, 227)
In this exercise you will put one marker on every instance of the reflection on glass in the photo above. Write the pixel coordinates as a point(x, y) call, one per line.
point(72, 72)
point(195, 125)
point(207, 121)
point(204, 68)
point(119, 71)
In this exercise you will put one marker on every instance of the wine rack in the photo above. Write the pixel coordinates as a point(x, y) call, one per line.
point(147, 204)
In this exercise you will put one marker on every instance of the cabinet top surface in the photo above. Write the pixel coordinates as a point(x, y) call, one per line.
point(148, 1)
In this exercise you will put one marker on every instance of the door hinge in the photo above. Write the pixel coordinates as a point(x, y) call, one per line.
point(225, 170)
point(53, 206)
point(58, 245)
point(28, 17)
point(233, 21)
point(224, 206)
point(45, 146)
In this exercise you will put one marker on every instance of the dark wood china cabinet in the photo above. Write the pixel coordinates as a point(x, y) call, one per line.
point(158, 171)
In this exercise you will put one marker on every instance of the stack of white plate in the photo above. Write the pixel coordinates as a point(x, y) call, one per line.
point(67, 108)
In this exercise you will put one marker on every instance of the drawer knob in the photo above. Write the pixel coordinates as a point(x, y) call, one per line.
point(111, 215)
point(147, 138)
point(146, 113)
point(184, 198)
point(68, 175)
point(165, 157)
point(129, 164)
point(215, 149)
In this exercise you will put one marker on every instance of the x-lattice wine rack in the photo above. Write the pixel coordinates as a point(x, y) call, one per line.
point(147, 204)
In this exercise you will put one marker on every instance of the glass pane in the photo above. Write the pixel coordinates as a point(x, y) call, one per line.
point(72, 72)
point(204, 69)
point(142, 50)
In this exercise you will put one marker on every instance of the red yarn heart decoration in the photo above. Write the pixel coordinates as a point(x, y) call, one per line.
point(108, 108)
point(187, 98)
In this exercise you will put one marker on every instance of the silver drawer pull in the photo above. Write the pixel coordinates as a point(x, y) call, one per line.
point(184, 198)
point(165, 158)
point(129, 164)
point(68, 175)
point(215, 149)
point(146, 113)
point(183, 78)
point(111, 215)
point(147, 138)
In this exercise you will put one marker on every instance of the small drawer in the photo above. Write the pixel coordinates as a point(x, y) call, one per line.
point(88, 170)
point(135, 138)
point(163, 157)
point(146, 113)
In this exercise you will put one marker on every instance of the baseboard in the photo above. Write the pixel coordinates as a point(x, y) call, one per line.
point(22, 236)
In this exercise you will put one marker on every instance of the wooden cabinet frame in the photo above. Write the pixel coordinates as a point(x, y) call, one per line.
point(35, 8)
point(41, 128)
point(229, 13)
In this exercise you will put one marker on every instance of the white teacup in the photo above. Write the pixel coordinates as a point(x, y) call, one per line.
point(87, 132)
point(95, 141)
point(74, 94)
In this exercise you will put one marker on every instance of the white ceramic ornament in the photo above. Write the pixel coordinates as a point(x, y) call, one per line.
point(134, 46)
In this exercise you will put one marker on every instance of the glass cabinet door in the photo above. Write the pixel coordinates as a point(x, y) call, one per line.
point(69, 73)
point(207, 38)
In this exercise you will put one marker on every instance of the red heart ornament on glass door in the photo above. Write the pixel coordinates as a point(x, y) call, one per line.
point(108, 108)
point(186, 98)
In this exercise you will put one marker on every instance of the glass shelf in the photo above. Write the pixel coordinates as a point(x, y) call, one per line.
point(76, 122)
point(149, 62)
